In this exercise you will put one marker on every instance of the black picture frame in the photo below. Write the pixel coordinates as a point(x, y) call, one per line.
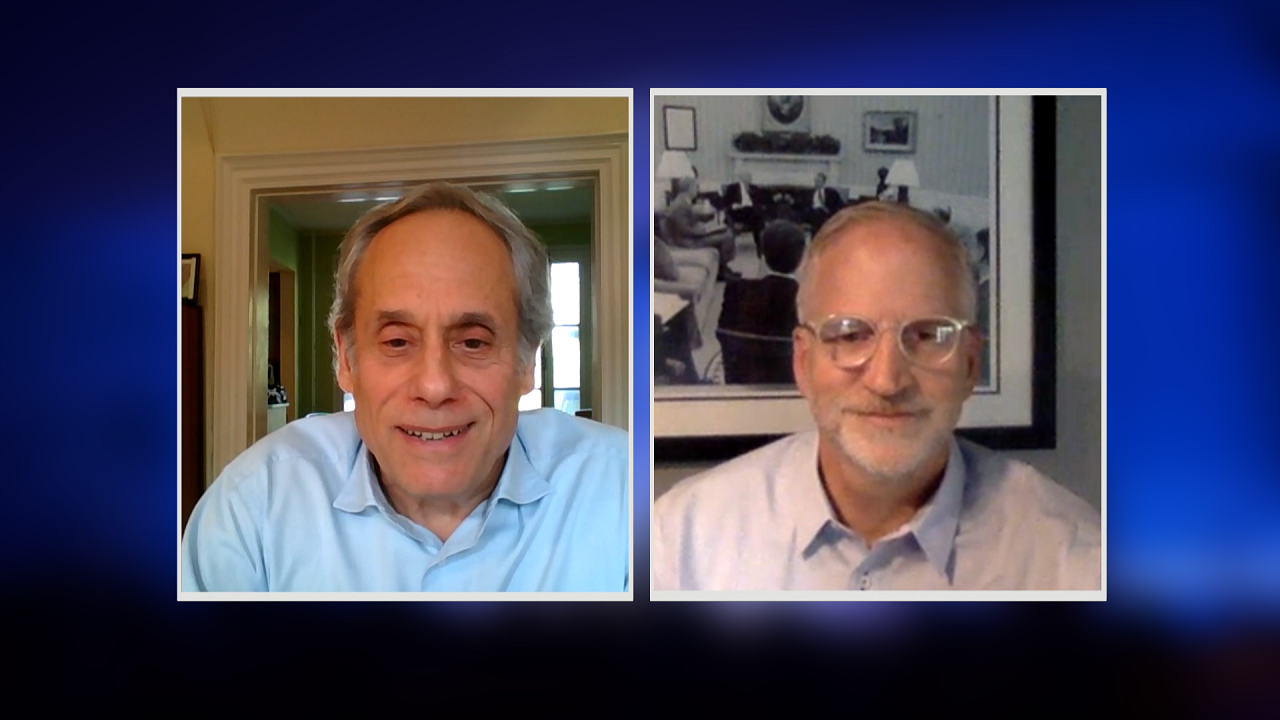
point(680, 122)
point(1041, 431)
point(875, 124)
point(189, 286)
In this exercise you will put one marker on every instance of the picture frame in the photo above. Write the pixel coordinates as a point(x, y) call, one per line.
point(681, 127)
point(786, 113)
point(705, 423)
point(189, 279)
point(889, 132)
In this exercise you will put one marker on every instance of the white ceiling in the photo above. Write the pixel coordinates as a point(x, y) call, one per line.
point(541, 202)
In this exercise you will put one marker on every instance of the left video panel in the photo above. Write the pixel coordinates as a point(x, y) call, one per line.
point(405, 352)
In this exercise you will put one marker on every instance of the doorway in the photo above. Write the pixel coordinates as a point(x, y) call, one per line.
point(240, 286)
point(305, 229)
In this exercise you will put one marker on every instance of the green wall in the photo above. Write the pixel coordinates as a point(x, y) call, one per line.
point(564, 235)
point(317, 258)
point(282, 241)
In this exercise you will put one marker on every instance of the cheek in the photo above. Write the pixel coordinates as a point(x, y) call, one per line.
point(499, 387)
point(948, 391)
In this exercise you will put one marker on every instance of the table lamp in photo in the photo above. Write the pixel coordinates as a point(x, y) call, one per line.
point(903, 174)
point(673, 165)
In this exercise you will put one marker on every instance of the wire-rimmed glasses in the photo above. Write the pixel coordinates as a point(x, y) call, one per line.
point(927, 342)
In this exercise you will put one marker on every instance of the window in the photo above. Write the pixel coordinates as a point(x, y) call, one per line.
point(558, 380)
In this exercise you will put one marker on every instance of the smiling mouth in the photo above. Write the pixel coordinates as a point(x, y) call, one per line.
point(900, 416)
point(431, 436)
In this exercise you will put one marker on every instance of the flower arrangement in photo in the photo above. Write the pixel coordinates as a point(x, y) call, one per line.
point(786, 143)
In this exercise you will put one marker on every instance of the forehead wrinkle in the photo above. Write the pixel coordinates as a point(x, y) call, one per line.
point(453, 321)
point(402, 271)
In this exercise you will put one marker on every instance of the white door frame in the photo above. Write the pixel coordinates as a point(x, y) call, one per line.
point(238, 371)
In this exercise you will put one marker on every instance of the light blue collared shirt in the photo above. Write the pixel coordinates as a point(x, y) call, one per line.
point(302, 510)
point(763, 522)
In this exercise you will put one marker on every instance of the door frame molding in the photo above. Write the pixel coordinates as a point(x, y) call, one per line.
point(238, 371)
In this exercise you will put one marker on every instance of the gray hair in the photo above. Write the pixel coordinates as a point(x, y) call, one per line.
point(528, 259)
point(868, 212)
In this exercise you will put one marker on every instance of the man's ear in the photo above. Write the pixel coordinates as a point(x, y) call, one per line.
point(800, 350)
point(526, 375)
point(344, 367)
point(973, 344)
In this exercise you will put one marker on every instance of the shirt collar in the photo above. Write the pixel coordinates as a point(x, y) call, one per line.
point(812, 511)
point(934, 525)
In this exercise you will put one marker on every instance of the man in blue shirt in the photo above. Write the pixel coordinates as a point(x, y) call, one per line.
point(881, 496)
point(436, 482)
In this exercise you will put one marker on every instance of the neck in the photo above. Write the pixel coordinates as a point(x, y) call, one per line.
point(440, 514)
point(870, 505)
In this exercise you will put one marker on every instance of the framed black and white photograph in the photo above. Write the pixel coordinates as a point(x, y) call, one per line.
point(785, 113)
point(190, 279)
point(889, 132)
point(680, 124)
point(722, 348)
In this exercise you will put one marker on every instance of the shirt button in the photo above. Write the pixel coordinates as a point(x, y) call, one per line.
point(864, 583)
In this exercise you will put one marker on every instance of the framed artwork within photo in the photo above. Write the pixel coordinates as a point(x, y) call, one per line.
point(681, 127)
point(786, 113)
point(718, 392)
point(889, 132)
point(190, 277)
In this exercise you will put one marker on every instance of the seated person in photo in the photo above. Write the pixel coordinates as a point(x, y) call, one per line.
point(881, 495)
point(823, 202)
point(436, 481)
point(744, 206)
point(766, 306)
point(687, 227)
point(758, 315)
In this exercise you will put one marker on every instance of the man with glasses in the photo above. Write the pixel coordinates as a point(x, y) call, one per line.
point(882, 496)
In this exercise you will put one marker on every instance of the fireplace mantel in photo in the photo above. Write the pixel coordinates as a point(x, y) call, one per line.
point(779, 169)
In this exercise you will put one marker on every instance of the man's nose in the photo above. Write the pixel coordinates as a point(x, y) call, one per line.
point(435, 376)
point(887, 373)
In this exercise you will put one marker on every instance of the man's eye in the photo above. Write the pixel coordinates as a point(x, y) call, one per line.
point(474, 344)
point(396, 343)
point(854, 337)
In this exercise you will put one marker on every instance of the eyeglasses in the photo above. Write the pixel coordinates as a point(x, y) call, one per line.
point(927, 342)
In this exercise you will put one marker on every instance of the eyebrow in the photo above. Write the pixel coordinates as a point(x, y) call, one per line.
point(459, 321)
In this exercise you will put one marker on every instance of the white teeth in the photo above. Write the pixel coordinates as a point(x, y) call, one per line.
point(434, 436)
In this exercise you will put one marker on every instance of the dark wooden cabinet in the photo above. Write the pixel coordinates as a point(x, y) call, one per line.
point(192, 408)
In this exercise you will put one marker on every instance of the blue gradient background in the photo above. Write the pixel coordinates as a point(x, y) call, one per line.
point(1193, 140)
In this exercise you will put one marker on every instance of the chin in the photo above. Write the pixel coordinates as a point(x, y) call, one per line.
point(890, 458)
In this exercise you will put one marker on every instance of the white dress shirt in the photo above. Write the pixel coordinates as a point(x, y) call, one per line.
point(763, 522)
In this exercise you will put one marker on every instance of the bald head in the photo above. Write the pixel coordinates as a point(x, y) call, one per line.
point(885, 235)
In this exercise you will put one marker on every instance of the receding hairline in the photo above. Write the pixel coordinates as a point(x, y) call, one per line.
point(373, 245)
point(946, 249)
point(461, 213)
point(467, 217)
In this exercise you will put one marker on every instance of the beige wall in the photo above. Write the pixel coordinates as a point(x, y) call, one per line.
point(229, 126)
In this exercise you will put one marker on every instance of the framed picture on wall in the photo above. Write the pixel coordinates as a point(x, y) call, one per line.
point(680, 124)
point(785, 113)
point(1003, 213)
point(190, 279)
point(889, 132)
